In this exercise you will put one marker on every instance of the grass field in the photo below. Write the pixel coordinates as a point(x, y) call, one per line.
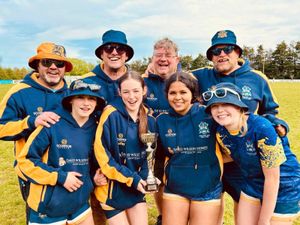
point(12, 206)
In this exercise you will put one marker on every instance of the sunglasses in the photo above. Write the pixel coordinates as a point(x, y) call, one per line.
point(219, 93)
point(80, 85)
point(227, 50)
point(119, 48)
point(49, 62)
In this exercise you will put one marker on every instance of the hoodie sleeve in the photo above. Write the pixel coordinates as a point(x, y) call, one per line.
point(13, 124)
point(102, 147)
point(33, 159)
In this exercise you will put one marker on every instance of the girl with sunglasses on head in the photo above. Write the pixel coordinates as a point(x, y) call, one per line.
point(271, 173)
point(121, 154)
point(194, 162)
point(56, 160)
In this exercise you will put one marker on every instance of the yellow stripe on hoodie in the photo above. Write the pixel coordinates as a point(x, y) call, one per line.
point(110, 172)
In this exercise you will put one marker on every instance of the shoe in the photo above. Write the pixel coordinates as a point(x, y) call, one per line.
point(158, 220)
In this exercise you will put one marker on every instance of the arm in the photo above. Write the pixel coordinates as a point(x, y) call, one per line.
point(271, 186)
point(102, 147)
point(32, 160)
point(272, 155)
point(14, 123)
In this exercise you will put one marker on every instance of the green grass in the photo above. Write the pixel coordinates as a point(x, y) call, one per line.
point(12, 207)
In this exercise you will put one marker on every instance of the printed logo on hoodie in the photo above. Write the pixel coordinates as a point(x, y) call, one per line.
point(170, 133)
point(64, 144)
point(38, 111)
point(246, 92)
point(121, 140)
point(203, 130)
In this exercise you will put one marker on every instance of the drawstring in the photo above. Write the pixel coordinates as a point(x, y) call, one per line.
point(195, 142)
point(126, 132)
point(194, 139)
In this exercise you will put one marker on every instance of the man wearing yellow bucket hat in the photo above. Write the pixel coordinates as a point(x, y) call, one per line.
point(32, 102)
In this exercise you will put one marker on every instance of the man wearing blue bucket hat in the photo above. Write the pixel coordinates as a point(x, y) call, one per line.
point(114, 53)
point(228, 66)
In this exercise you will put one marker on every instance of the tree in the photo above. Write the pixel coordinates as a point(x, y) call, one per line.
point(80, 67)
point(199, 61)
point(140, 65)
point(281, 60)
point(186, 62)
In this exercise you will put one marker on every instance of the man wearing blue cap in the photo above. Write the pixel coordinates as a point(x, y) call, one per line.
point(114, 53)
point(228, 66)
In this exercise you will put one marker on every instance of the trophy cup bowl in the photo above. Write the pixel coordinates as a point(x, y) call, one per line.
point(149, 139)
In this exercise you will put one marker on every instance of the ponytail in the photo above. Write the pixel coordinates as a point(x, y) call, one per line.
point(143, 121)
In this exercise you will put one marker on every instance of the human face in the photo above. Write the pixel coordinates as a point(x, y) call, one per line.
point(164, 62)
point(227, 115)
point(180, 97)
point(83, 106)
point(113, 60)
point(50, 76)
point(226, 63)
point(132, 94)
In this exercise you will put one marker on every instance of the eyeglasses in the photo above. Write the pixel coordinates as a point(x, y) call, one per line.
point(168, 56)
point(219, 93)
point(119, 48)
point(227, 50)
point(49, 62)
point(80, 85)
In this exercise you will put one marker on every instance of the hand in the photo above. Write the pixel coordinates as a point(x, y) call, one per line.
point(72, 183)
point(280, 130)
point(141, 186)
point(46, 118)
point(100, 179)
point(150, 68)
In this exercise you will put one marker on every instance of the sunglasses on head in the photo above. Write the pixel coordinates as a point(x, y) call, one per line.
point(119, 48)
point(80, 85)
point(49, 62)
point(219, 93)
point(227, 50)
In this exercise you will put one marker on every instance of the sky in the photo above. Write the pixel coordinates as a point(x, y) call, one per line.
point(79, 25)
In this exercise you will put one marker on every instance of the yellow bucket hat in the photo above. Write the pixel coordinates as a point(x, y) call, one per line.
point(48, 50)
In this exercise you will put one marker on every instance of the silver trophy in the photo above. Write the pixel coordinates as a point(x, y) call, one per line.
point(150, 139)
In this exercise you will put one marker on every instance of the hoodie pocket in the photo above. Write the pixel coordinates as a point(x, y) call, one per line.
point(187, 181)
point(62, 202)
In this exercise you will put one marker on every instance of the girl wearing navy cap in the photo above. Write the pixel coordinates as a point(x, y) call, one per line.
point(56, 160)
point(271, 190)
point(193, 166)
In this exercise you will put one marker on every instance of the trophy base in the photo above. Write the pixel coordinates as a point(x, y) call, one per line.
point(151, 187)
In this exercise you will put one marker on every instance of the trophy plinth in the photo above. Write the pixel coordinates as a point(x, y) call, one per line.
point(149, 139)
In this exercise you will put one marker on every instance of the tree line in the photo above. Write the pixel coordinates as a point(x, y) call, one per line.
point(281, 63)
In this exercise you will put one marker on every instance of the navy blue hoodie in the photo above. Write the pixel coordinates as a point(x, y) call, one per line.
point(121, 156)
point(195, 162)
point(47, 157)
point(20, 107)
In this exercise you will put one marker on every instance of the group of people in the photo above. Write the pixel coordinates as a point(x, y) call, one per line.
point(80, 157)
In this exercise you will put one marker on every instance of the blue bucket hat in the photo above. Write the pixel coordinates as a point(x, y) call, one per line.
point(115, 36)
point(223, 37)
point(228, 93)
point(83, 87)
